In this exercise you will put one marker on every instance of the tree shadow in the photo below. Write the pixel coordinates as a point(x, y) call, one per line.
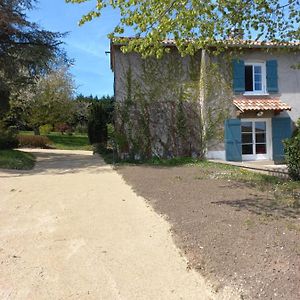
point(60, 163)
point(262, 206)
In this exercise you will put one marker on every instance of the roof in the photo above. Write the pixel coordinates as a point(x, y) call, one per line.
point(121, 41)
point(250, 44)
point(253, 104)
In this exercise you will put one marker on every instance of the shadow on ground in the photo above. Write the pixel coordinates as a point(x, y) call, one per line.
point(59, 163)
point(262, 207)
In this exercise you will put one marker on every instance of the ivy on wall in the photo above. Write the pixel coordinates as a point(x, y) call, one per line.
point(171, 106)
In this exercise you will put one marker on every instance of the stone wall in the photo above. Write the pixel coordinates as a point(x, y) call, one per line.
point(153, 115)
point(175, 106)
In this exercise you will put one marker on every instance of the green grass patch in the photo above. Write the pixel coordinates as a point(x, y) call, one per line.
point(18, 160)
point(66, 141)
point(69, 142)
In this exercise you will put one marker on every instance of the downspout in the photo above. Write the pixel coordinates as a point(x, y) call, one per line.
point(202, 98)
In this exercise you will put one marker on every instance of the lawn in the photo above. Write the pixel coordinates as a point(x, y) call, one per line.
point(18, 160)
point(65, 141)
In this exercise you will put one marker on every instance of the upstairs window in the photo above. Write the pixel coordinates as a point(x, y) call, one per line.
point(252, 78)
point(255, 78)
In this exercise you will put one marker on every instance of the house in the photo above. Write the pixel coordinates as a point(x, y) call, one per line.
point(236, 106)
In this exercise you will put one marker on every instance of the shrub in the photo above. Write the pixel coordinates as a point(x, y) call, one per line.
point(292, 154)
point(46, 129)
point(97, 124)
point(62, 127)
point(34, 141)
point(8, 139)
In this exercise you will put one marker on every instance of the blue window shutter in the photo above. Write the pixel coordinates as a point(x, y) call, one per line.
point(238, 67)
point(272, 76)
point(281, 129)
point(233, 138)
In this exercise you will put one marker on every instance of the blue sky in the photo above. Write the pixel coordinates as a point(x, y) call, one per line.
point(86, 44)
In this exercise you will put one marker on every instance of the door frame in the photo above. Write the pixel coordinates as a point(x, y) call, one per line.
point(269, 154)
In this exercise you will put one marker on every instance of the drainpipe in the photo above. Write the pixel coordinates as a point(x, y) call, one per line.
point(202, 96)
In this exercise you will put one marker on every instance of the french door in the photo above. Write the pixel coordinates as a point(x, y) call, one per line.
point(256, 139)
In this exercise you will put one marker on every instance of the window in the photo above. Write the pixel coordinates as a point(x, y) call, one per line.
point(255, 77)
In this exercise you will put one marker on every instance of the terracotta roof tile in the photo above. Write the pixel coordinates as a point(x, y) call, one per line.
point(245, 104)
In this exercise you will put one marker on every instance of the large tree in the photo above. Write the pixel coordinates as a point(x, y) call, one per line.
point(48, 101)
point(202, 23)
point(26, 50)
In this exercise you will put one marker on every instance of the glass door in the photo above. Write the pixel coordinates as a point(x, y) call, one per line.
point(254, 140)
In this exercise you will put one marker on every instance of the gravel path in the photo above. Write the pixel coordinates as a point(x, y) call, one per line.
point(73, 229)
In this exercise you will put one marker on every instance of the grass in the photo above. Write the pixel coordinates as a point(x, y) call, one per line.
point(69, 142)
point(18, 160)
point(65, 141)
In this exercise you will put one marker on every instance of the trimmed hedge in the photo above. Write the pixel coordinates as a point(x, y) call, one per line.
point(34, 141)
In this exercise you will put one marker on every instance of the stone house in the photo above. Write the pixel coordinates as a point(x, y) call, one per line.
point(233, 106)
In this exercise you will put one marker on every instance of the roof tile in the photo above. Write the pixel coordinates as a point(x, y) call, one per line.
point(246, 104)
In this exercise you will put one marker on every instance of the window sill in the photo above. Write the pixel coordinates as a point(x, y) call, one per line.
point(256, 94)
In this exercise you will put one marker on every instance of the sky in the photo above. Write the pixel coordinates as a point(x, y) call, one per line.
point(85, 44)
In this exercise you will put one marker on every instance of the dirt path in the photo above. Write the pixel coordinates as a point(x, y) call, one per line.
point(73, 229)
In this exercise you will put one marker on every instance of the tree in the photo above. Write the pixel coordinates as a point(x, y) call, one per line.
point(97, 124)
point(49, 101)
point(26, 50)
point(200, 24)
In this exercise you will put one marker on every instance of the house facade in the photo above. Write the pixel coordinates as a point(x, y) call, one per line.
point(235, 107)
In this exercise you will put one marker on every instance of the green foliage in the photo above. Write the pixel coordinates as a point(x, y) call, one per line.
point(26, 51)
point(201, 23)
point(81, 128)
point(50, 100)
point(8, 139)
point(160, 114)
point(19, 160)
point(34, 141)
point(46, 129)
point(292, 154)
point(97, 124)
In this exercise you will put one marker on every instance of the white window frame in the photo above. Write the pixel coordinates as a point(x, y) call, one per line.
point(264, 78)
point(269, 154)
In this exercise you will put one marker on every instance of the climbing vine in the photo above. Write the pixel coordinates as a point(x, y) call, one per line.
point(170, 107)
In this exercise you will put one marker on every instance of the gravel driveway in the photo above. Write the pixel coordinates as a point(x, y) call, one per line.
point(73, 229)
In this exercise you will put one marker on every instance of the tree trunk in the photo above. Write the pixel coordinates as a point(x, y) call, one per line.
point(36, 131)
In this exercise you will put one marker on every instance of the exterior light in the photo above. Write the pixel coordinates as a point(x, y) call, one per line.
point(260, 113)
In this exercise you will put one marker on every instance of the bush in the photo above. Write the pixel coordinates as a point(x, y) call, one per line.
point(292, 154)
point(97, 124)
point(34, 141)
point(8, 139)
point(46, 129)
point(62, 127)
